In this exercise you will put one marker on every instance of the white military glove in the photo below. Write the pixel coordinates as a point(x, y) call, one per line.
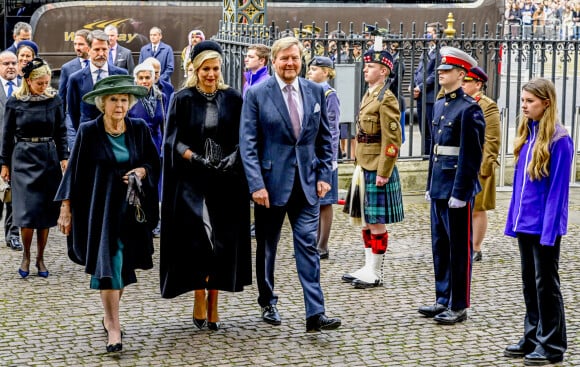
point(334, 165)
point(456, 203)
point(427, 196)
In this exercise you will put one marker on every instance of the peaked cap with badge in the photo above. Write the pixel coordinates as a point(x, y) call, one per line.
point(452, 57)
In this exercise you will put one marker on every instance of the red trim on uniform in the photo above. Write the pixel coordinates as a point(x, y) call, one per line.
point(391, 151)
point(468, 275)
point(455, 61)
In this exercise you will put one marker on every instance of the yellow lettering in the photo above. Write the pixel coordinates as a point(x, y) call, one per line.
point(122, 37)
point(69, 36)
point(131, 37)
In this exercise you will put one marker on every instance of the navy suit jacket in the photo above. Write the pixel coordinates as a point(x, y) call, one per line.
point(79, 84)
point(164, 54)
point(427, 85)
point(124, 59)
point(66, 70)
point(270, 151)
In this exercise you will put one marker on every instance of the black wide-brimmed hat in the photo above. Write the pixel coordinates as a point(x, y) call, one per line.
point(205, 46)
point(115, 84)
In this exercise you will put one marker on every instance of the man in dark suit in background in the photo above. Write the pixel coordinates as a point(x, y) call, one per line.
point(81, 82)
point(119, 55)
point(286, 149)
point(9, 81)
point(21, 31)
point(425, 81)
point(81, 46)
point(159, 50)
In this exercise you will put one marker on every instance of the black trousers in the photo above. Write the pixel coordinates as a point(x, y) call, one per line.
point(544, 323)
point(9, 230)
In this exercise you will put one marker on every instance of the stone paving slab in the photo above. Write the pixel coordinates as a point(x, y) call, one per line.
point(57, 321)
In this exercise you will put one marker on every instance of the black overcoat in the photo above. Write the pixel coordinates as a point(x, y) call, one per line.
point(186, 254)
point(100, 216)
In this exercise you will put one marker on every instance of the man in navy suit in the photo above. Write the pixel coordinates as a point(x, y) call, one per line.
point(425, 80)
point(21, 31)
point(81, 82)
point(81, 46)
point(8, 84)
point(119, 55)
point(159, 50)
point(286, 149)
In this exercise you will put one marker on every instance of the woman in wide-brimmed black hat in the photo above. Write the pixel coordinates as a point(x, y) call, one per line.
point(109, 197)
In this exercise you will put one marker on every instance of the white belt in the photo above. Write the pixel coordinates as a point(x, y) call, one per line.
point(445, 150)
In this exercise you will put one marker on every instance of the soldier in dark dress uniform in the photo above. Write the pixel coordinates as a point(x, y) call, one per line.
point(379, 140)
point(458, 136)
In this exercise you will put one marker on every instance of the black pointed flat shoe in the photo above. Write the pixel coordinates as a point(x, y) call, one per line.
point(199, 323)
point(215, 326)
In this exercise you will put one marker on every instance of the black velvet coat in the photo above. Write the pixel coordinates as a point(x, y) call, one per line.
point(100, 216)
point(187, 257)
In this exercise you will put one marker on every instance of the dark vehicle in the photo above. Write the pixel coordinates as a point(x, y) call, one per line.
point(54, 22)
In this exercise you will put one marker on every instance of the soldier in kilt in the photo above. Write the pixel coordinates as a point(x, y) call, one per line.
point(375, 198)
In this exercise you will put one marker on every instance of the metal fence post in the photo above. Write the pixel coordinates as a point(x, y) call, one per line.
point(504, 117)
point(575, 139)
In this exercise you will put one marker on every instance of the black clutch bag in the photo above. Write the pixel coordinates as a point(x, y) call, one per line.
point(213, 152)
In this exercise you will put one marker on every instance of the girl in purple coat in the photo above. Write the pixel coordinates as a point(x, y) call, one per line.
point(538, 217)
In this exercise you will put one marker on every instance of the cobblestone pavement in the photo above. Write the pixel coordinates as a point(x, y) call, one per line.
point(57, 321)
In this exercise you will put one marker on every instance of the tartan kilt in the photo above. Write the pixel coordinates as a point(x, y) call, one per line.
point(383, 204)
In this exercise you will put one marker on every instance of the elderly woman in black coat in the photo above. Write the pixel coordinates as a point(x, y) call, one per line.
point(205, 213)
point(109, 197)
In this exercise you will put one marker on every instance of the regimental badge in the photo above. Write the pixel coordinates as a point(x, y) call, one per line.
point(444, 60)
point(453, 95)
point(377, 56)
point(393, 126)
point(391, 151)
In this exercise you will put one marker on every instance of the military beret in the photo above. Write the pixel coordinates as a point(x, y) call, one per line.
point(379, 57)
point(321, 61)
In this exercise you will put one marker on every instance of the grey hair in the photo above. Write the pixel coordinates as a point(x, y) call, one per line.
point(100, 101)
point(21, 26)
point(97, 34)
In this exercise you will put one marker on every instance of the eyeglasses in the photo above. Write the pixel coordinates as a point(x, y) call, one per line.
point(6, 63)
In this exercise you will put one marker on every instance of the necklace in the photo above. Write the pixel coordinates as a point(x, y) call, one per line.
point(206, 95)
point(115, 135)
point(117, 132)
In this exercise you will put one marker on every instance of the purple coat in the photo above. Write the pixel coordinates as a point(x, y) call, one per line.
point(156, 122)
point(253, 79)
point(540, 207)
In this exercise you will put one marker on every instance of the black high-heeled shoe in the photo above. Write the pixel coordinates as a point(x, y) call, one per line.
point(114, 348)
point(117, 347)
point(199, 323)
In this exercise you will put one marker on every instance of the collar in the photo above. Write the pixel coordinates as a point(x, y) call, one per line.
point(94, 68)
point(283, 84)
point(458, 93)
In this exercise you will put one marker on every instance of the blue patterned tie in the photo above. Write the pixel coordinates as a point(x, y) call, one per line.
point(10, 87)
point(85, 63)
point(111, 61)
point(99, 72)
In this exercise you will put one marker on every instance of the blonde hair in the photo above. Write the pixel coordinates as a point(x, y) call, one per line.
point(285, 43)
point(24, 91)
point(192, 80)
point(100, 101)
point(539, 165)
